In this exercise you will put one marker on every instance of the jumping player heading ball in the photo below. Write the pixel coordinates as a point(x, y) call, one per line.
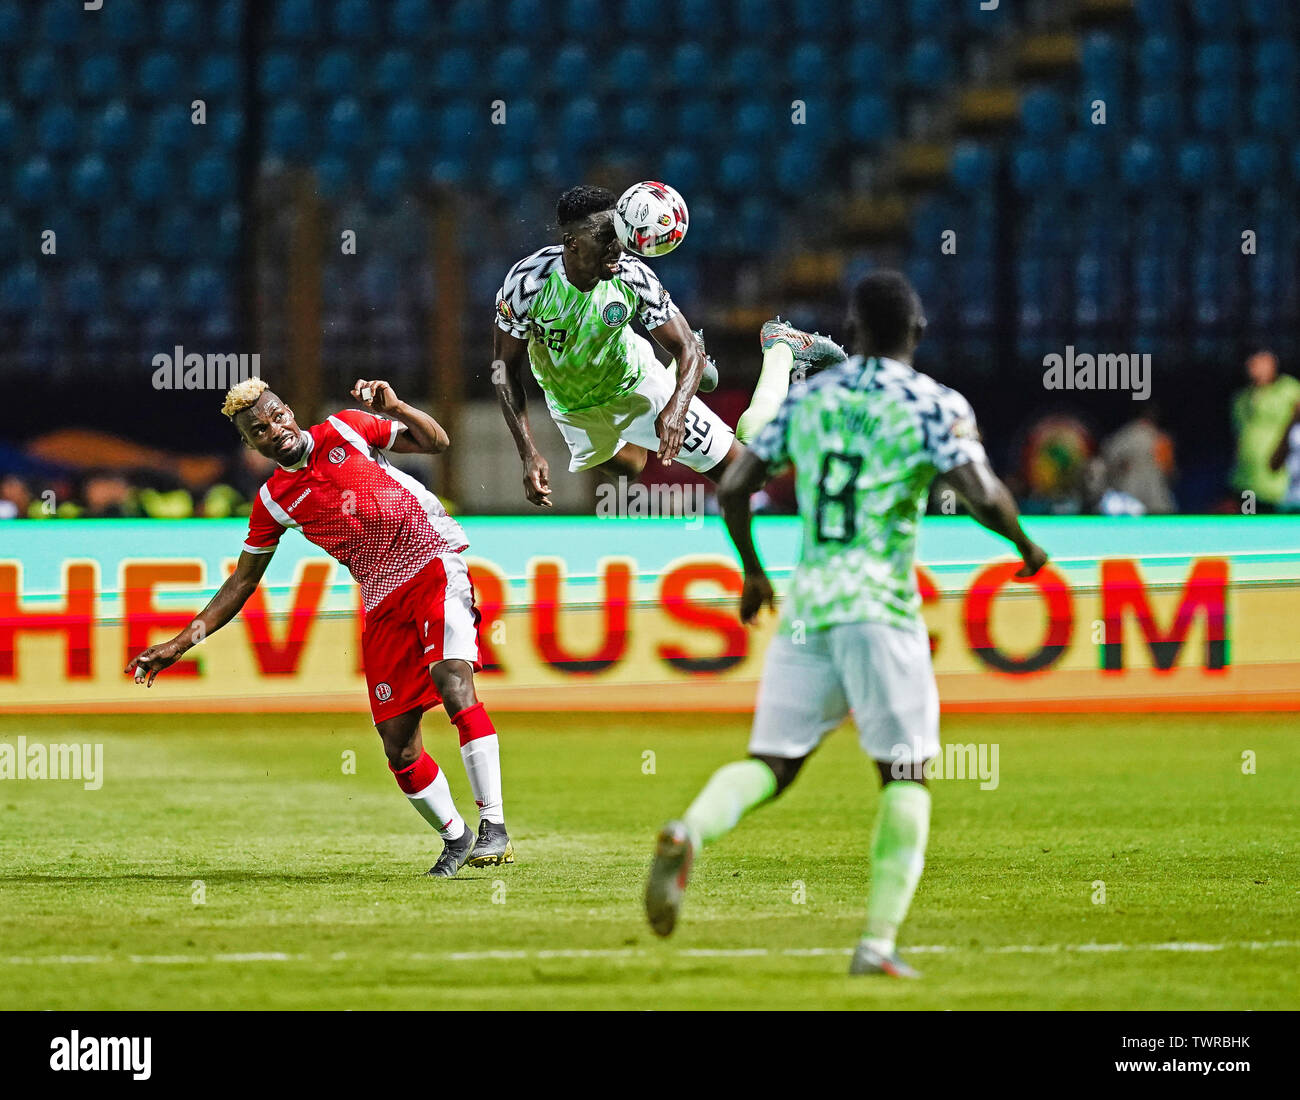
point(420, 641)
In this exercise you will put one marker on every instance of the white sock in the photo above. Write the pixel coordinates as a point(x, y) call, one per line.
point(436, 806)
point(773, 385)
point(482, 757)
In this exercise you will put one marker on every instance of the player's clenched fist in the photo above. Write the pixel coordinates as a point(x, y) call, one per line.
point(671, 426)
point(756, 592)
point(377, 396)
point(537, 481)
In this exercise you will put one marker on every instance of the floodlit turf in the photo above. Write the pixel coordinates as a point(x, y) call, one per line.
point(312, 897)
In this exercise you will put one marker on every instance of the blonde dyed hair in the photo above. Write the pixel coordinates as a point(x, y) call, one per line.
point(243, 396)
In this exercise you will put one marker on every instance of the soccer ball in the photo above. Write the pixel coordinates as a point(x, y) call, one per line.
point(650, 219)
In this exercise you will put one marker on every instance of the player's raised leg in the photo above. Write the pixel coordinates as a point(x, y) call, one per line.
point(424, 784)
point(785, 348)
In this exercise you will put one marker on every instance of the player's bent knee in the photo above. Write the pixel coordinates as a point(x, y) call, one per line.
point(455, 683)
point(785, 768)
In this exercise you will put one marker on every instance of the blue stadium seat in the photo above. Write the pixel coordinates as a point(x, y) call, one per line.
point(871, 119)
point(808, 67)
point(1269, 15)
point(1142, 165)
point(346, 126)
point(1042, 113)
point(176, 234)
point(1276, 61)
point(333, 175)
point(379, 284)
point(144, 290)
point(868, 66)
point(976, 279)
point(181, 24)
point(509, 174)
point(1159, 61)
point(159, 75)
point(60, 23)
point(580, 17)
point(1157, 14)
point(928, 16)
point(456, 71)
point(629, 71)
point(212, 180)
point(1034, 167)
point(750, 67)
point(1255, 164)
point(738, 171)
point(151, 179)
point(1216, 110)
point(287, 134)
point(1200, 165)
point(204, 289)
point(1101, 60)
point(336, 73)
point(295, 20)
point(12, 24)
point(928, 65)
point(354, 20)
point(681, 170)
point(99, 76)
point(124, 22)
point(1214, 16)
point(690, 66)
point(38, 76)
point(523, 122)
point(92, 184)
point(471, 21)
point(645, 19)
point(56, 129)
point(20, 289)
point(218, 76)
point(114, 129)
point(1272, 111)
point(449, 168)
point(411, 19)
point(579, 125)
point(798, 166)
point(571, 68)
point(756, 16)
point(637, 118)
point(279, 75)
point(405, 125)
point(696, 119)
point(756, 120)
point(1217, 62)
point(170, 128)
point(395, 73)
point(83, 290)
point(816, 17)
point(1159, 114)
point(1084, 162)
point(228, 232)
point(8, 127)
point(387, 177)
point(973, 167)
point(228, 22)
point(874, 18)
point(456, 123)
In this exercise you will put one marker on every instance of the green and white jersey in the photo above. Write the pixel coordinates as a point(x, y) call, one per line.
point(866, 438)
point(581, 344)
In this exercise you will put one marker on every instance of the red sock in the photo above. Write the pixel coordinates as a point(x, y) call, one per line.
point(473, 723)
point(415, 777)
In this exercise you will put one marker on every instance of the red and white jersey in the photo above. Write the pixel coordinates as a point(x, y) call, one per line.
point(345, 497)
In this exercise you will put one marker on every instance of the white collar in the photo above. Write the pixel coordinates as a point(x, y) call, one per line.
point(311, 444)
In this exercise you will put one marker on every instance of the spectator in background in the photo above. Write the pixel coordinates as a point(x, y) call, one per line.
point(1260, 414)
point(1136, 463)
point(1286, 457)
point(15, 497)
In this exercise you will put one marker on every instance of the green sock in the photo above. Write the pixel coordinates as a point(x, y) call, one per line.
point(734, 790)
point(773, 385)
point(897, 856)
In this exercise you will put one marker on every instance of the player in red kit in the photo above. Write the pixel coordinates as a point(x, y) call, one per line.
point(420, 638)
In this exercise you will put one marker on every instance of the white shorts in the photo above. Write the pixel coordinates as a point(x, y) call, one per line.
point(595, 435)
point(881, 673)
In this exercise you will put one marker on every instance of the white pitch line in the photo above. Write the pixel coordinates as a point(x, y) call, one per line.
point(544, 954)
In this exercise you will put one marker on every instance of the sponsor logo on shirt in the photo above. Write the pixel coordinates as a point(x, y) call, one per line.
point(614, 314)
point(298, 500)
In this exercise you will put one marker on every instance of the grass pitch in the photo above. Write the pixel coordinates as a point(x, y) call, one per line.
point(229, 862)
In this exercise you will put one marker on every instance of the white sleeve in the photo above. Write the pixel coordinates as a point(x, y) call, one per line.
point(654, 306)
point(951, 436)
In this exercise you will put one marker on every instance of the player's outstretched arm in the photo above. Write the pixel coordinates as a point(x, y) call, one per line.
point(509, 354)
point(990, 502)
point(743, 478)
point(223, 607)
point(677, 339)
point(420, 434)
